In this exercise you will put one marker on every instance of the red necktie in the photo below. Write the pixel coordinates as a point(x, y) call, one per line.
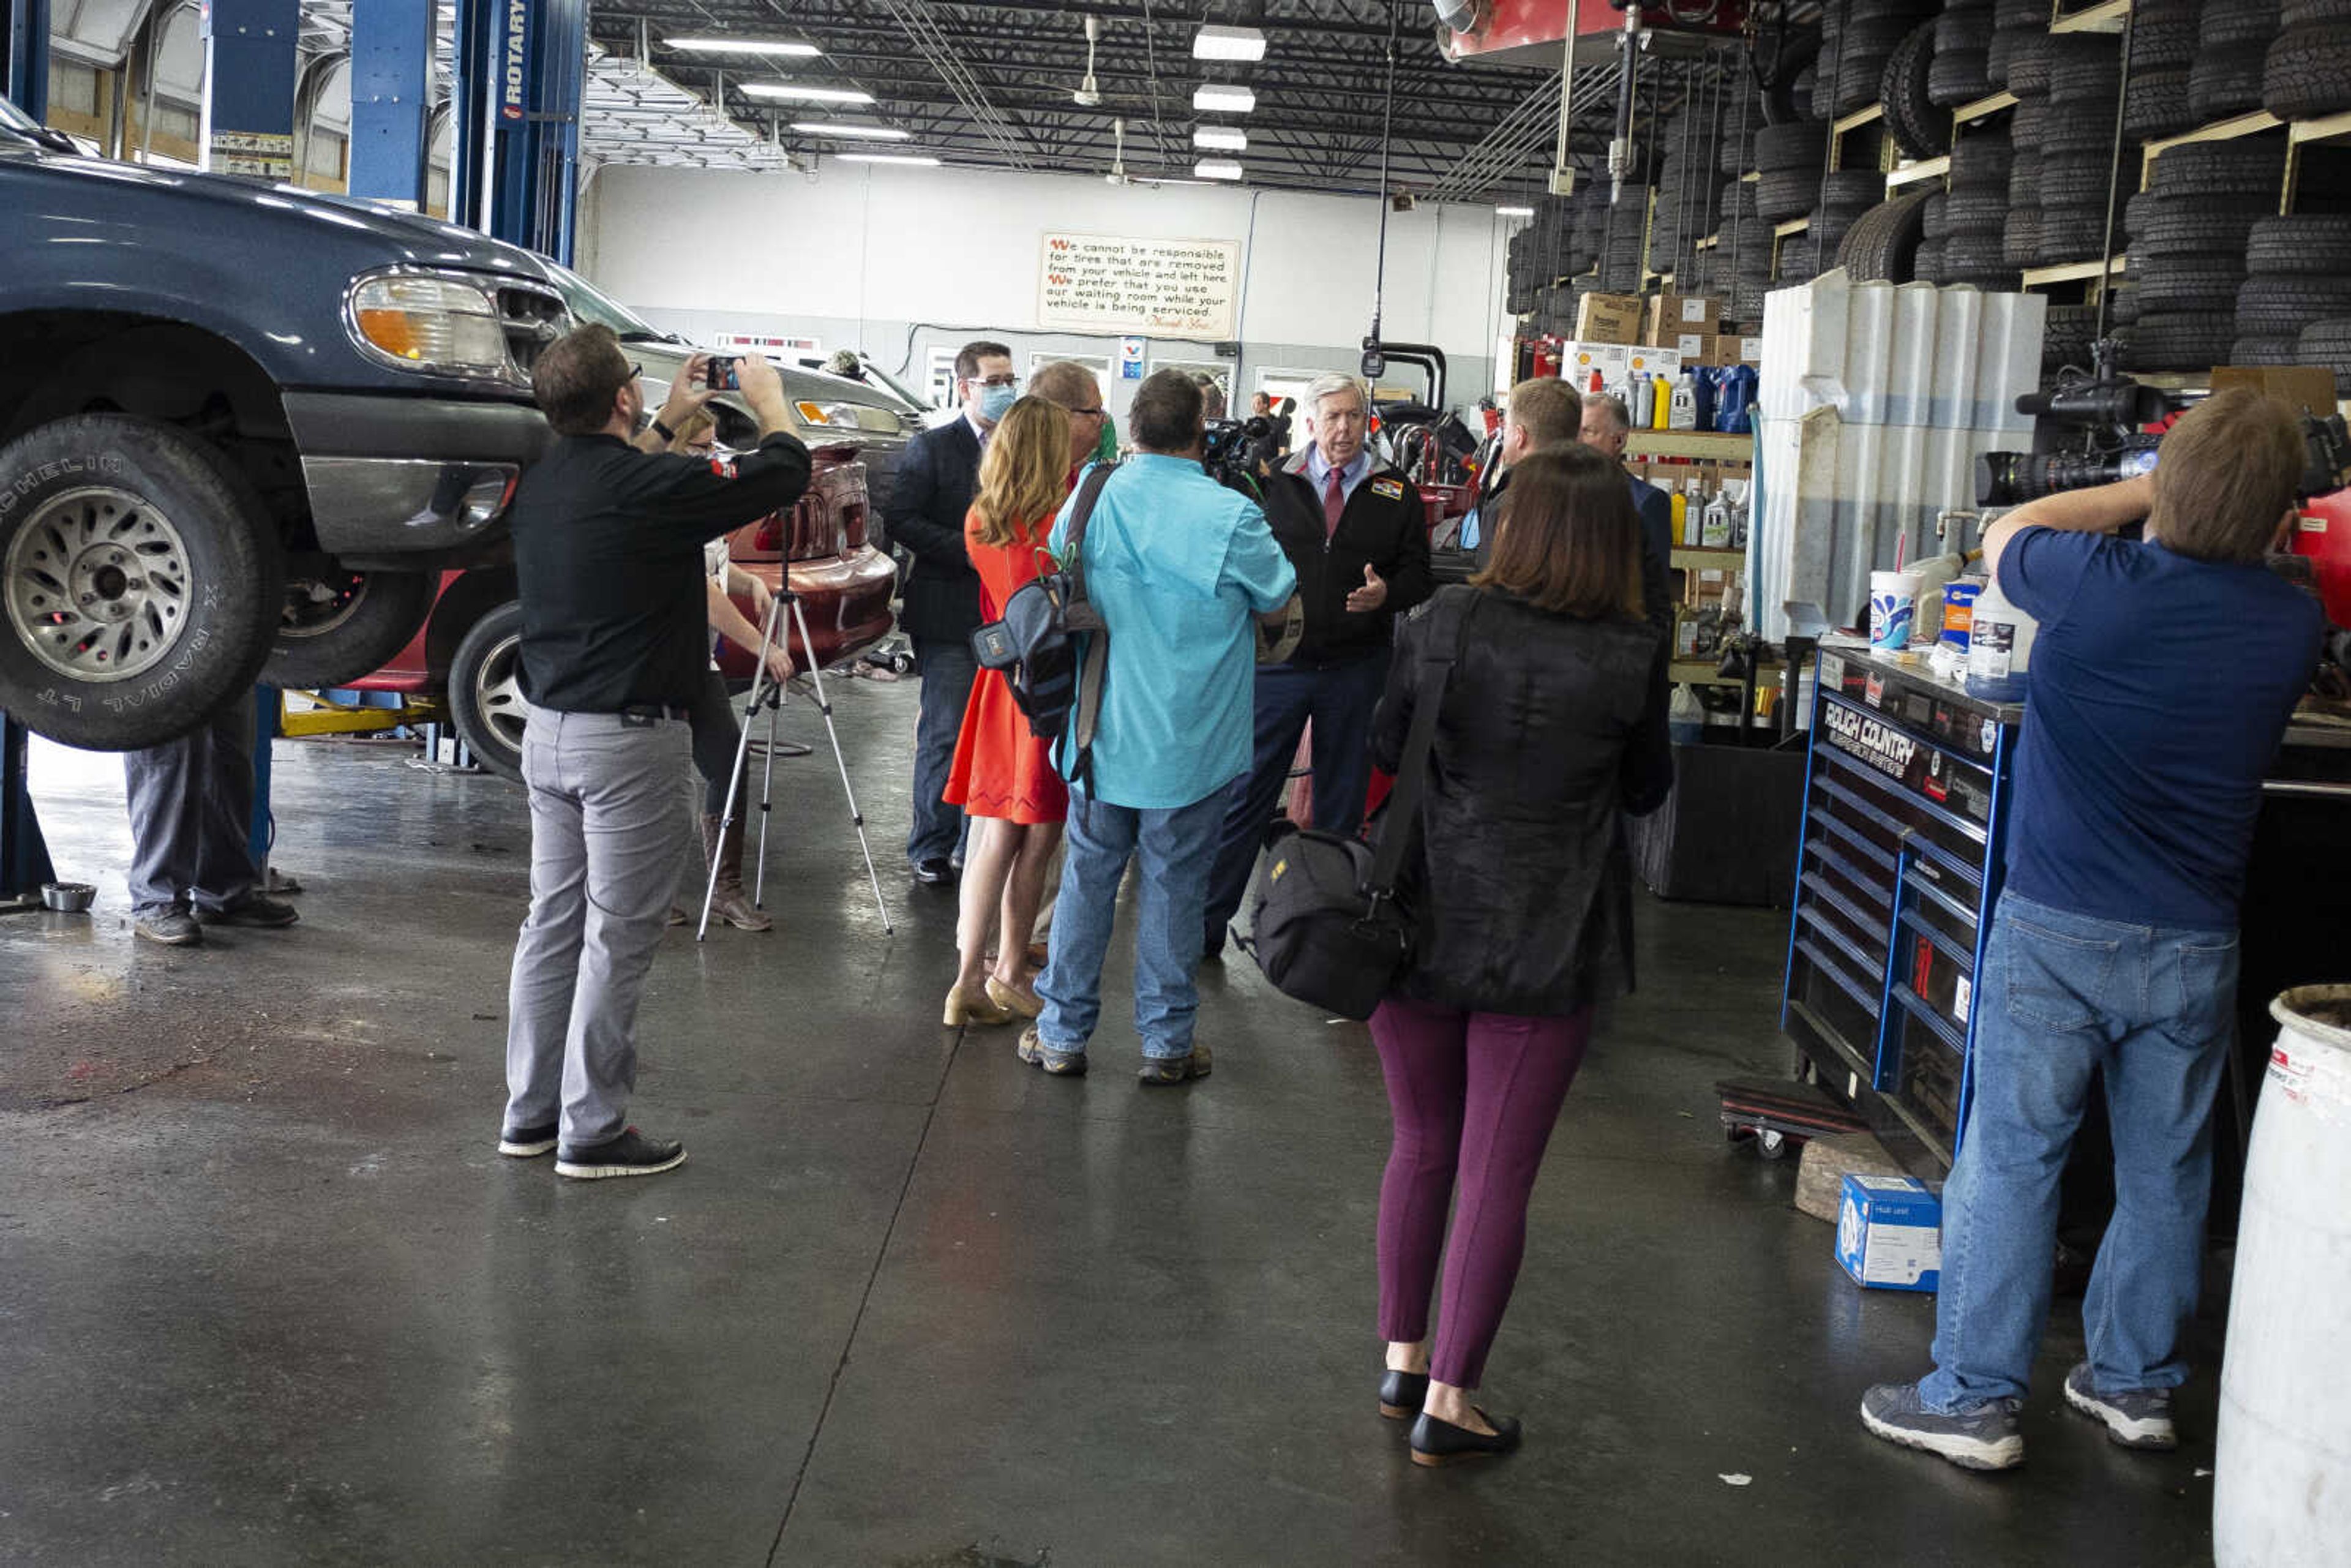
point(1334, 501)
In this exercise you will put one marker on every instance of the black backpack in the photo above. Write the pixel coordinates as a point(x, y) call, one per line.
point(1035, 646)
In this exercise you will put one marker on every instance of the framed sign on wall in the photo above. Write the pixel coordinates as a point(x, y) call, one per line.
point(1149, 287)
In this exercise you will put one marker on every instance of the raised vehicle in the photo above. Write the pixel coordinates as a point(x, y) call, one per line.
point(244, 429)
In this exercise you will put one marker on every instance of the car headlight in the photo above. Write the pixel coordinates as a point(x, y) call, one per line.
point(832, 415)
point(428, 323)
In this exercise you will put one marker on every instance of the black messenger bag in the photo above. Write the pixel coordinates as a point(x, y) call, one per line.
point(1326, 926)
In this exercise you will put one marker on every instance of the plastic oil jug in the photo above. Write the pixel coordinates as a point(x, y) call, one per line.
point(1662, 409)
point(1999, 647)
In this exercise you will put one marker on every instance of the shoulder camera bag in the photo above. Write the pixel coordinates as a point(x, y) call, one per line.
point(1327, 926)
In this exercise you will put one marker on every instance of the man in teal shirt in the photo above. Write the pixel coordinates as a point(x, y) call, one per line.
point(1178, 567)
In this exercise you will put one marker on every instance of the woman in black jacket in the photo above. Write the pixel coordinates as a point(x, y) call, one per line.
point(1552, 722)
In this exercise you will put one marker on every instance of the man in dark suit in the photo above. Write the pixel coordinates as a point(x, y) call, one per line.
point(934, 481)
point(1606, 425)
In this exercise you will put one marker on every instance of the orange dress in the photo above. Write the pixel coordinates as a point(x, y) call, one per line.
point(1001, 770)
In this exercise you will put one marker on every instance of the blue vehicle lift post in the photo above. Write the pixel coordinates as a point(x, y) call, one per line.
point(520, 70)
point(24, 58)
point(392, 100)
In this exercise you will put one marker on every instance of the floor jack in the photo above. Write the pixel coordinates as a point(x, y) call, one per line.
point(1781, 1114)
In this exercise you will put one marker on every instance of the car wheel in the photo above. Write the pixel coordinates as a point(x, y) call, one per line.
point(485, 700)
point(139, 578)
point(339, 625)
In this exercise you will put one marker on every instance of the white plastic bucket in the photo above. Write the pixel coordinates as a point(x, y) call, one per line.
point(2282, 1482)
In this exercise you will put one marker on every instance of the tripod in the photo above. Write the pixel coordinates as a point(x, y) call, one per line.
point(770, 694)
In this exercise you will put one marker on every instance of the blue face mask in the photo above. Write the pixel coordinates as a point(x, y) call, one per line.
point(995, 402)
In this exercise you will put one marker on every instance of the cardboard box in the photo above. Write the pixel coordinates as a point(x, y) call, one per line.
point(1694, 348)
point(1750, 350)
point(1577, 361)
point(2301, 388)
point(1671, 315)
point(1608, 318)
point(1646, 361)
point(1890, 1233)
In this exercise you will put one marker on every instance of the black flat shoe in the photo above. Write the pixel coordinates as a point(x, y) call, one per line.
point(1436, 1442)
point(1402, 1393)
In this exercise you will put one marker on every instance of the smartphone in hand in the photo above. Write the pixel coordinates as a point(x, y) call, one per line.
point(723, 375)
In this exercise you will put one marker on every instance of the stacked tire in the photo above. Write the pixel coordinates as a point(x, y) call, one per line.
point(2162, 54)
point(1859, 37)
point(2188, 234)
point(1976, 213)
point(2233, 42)
point(1788, 162)
point(1624, 250)
point(1927, 261)
point(2012, 22)
point(1740, 268)
point(1687, 193)
point(2298, 278)
point(2069, 126)
point(1919, 129)
point(1961, 70)
point(1846, 195)
point(2306, 70)
point(1882, 245)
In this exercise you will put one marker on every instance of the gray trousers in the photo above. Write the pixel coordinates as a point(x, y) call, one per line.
point(191, 815)
point(607, 826)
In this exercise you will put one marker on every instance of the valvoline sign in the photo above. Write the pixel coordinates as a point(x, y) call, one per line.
point(514, 61)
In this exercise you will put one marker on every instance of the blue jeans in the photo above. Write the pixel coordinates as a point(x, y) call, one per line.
point(2062, 996)
point(1341, 700)
point(1173, 847)
point(948, 670)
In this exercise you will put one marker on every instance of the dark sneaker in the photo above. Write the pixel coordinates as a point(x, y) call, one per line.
point(2139, 1419)
point(630, 1154)
point(1982, 1438)
point(257, 909)
point(527, 1143)
point(172, 927)
point(1159, 1071)
point(1060, 1063)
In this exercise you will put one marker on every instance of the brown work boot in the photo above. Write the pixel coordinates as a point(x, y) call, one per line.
point(722, 847)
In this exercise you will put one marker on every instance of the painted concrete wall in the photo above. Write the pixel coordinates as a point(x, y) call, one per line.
point(901, 261)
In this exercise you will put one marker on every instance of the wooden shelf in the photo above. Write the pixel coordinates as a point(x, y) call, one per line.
point(2105, 18)
point(1706, 558)
point(1790, 227)
point(1984, 105)
point(1698, 443)
point(2229, 129)
point(2302, 132)
point(1859, 118)
point(1911, 174)
point(2072, 272)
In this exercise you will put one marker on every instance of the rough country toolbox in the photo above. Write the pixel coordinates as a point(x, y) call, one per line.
point(1904, 803)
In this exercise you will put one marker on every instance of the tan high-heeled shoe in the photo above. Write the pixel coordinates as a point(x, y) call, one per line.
point(1018, 1000)
point(963, 1008)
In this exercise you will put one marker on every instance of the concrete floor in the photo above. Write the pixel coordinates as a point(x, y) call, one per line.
point(267, 1296)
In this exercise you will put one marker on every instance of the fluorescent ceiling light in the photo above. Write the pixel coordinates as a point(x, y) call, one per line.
point(794, 90)
point(1216, 169)
point(744, 46)
point(1214, 42)
point(853, 132)
point(911, 160)
point(1515, 212)
point(1223, 138)
point(1214, 100)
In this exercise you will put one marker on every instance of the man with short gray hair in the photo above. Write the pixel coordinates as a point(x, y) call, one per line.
point(1356, 532)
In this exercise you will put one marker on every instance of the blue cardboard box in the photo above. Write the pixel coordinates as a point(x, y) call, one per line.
point(1890, 1233)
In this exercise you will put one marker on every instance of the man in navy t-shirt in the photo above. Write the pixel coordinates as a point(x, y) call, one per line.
point(2163, 678)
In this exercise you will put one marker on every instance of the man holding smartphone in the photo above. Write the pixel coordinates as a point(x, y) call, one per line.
point(608, 534)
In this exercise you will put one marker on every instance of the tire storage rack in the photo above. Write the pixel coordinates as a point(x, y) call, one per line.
point(1976, 143)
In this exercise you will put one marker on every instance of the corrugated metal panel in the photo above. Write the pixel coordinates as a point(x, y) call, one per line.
point(1876, 399)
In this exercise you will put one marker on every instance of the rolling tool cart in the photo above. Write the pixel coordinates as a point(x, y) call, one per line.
point(1906, 802)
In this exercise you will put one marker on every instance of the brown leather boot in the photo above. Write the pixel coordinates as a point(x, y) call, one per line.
point(723, 847)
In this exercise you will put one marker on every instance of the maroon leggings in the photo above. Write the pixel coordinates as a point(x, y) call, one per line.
point(1473, 1093)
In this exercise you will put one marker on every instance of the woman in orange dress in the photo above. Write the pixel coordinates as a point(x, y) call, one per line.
point(1003, 774)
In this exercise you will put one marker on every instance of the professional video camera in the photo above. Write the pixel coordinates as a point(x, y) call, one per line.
point(2113, 411)
point(1237, 450)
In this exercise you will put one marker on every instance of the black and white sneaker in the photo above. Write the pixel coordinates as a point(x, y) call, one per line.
point(527, 1143)
point(2138, 1418)
point(630, 1155)
point(1982, 1438)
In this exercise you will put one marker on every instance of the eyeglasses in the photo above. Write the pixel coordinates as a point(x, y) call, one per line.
point(636, 370)
point(994, 381)
point(1088, 412)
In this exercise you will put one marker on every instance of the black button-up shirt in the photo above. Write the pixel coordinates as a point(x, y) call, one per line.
point(608, 552)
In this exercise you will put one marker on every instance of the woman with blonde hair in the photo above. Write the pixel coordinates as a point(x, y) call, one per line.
point(1003, 776)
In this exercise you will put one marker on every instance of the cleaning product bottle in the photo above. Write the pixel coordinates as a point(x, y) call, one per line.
point(1661, 411)
point(1682, 414)
point(1999, 647)
point(1683, 520)
point(1639, 404)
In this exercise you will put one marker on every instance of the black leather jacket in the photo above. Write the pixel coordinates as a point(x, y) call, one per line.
point(1551, 726)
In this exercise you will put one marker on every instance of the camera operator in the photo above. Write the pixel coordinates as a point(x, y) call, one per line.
point(1357, 534)
point(607, 553)
point(2163, 678)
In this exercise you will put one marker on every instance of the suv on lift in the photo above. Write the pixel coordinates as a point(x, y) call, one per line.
point(242, 430)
